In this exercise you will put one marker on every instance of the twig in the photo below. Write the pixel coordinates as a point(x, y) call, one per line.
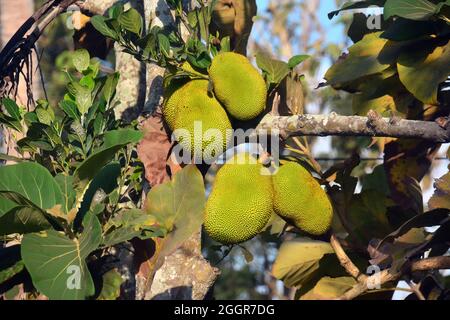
point(415, 288)
point(345, 261)
point(389, 275)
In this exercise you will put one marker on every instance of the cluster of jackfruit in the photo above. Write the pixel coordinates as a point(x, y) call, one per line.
point(243, 198)
point(238, 91)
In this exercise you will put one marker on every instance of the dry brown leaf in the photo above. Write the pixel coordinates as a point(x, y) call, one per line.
point(154, 149)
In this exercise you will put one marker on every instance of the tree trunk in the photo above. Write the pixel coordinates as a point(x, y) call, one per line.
point(12, 15)
point(184, 274)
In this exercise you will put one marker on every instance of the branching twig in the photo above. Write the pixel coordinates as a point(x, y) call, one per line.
point(365, 283)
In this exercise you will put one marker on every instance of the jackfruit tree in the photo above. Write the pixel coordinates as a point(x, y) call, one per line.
point(139, 179)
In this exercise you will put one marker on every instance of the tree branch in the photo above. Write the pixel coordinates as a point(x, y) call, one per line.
point(371, 126)
point(345, 261)
point(389, 275)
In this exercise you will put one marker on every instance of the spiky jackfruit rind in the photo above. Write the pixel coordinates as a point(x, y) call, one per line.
point(238, 86)
point(173, 96)
point(195, 104)
point(240, 203)
point(300, 199)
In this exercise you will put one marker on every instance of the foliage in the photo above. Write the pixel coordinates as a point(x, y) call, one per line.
point(77, 188)
point(85, 160)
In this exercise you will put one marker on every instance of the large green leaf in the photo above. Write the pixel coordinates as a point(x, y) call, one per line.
point(422, 72)
point(57, 264)
point(33, 182)
point(274, 70)
point(129, 224)
point(367, 57)
point(104, 181)
point(114, 141)
point(410, 9)
point(298, 261)
point(68, 192)
point(329, 288)
point(131, 20)
point(23, 219)
point(101, 24)
point(178, 206)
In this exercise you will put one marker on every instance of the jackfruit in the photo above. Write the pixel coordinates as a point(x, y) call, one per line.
point(300, 199)
point(172, 100)
point(192, 107)
point(238, 86)
point(240, 203)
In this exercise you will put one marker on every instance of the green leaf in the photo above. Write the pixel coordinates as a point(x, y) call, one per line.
point(44, 116)
point(368, 216)
point(410, 9)
point(178, 205)
point(109, 88)
point(441, 196)
point(329, 288)
point(23, 219)
point(164, 44)
point(131, 20)
point(82, 95)
point(351, 5)
point(429, 219)
point(105, 180)
point(422, 72)
point(57, 264)
point(7, 157)
point(10, 262)
point(33, 182)
point(121, 137)
point(275, 70)
point(296, 60)
point(68, 192)
point(114, 141)
point(70, 109)
point(100, 23)
point(12, 108)
point(81, 59)
point(112, 280)
point(10, 122)
point(298, 260)
point(369, 56)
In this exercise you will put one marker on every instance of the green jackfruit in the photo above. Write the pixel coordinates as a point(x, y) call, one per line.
point(238, 86)
point(240, 203)
point(192, 106)
point(300, 199)
point(172, 99)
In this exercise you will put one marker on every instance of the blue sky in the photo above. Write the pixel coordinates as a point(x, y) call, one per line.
point(326, 6)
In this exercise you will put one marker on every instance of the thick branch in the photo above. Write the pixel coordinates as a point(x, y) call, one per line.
point(435, 263)
point(371, 126)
